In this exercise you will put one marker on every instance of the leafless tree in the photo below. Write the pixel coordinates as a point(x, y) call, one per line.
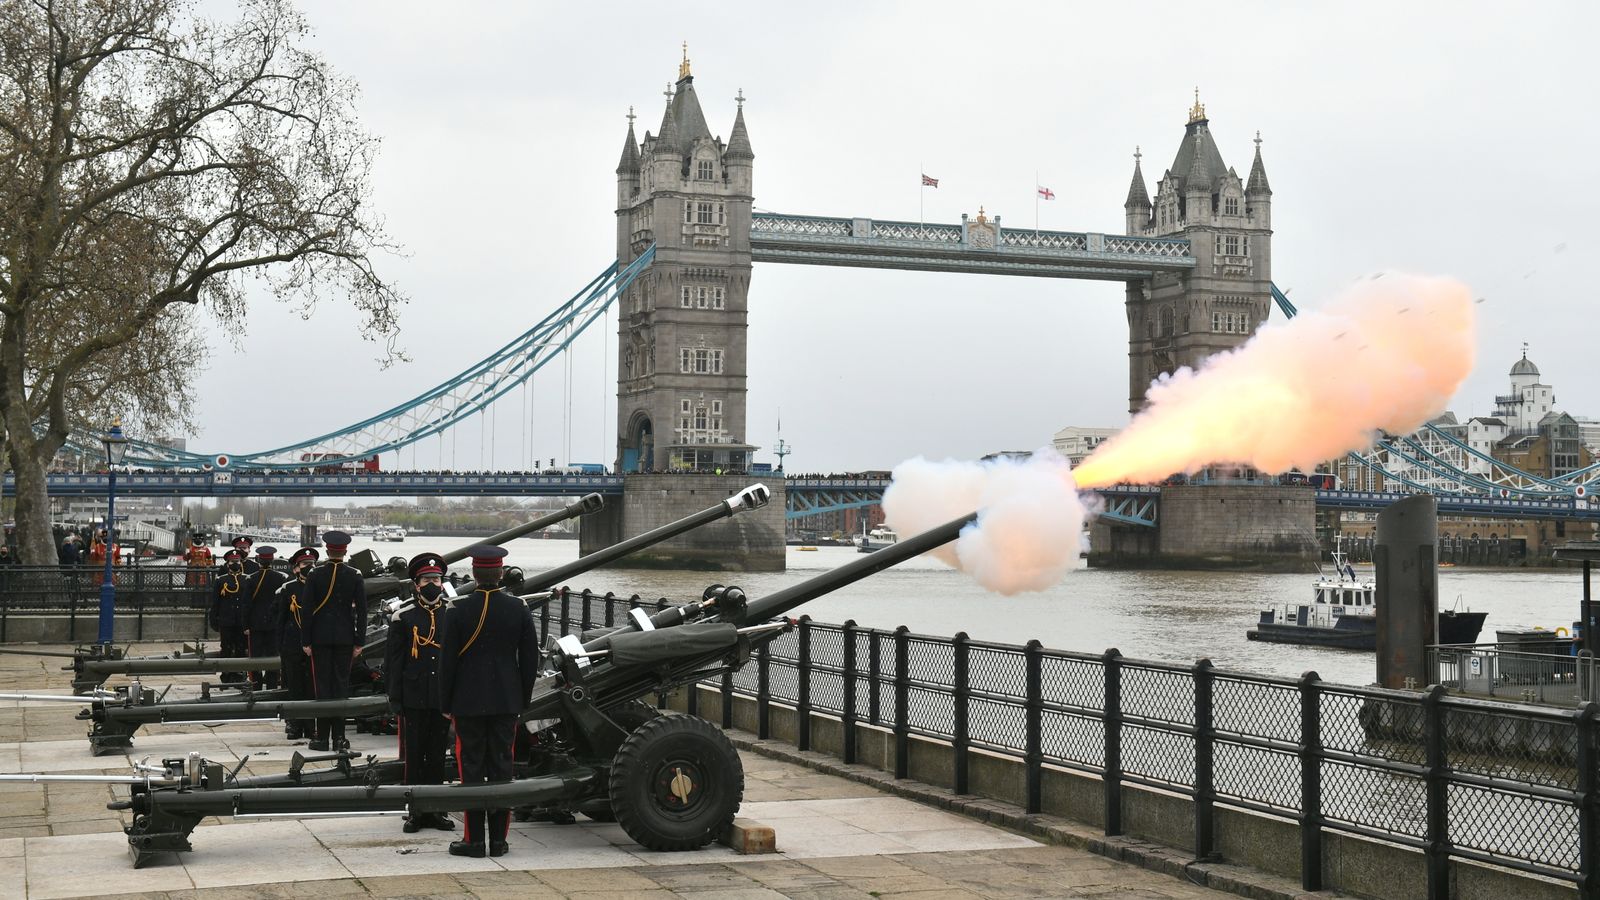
point(155, 165)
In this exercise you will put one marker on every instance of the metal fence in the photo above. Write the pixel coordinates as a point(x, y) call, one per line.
point(74, 591)
point(1487, 670)
point(1453, 777)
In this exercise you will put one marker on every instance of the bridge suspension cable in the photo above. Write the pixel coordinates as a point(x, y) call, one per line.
point(434, 411)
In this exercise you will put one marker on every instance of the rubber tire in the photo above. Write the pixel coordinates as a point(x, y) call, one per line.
point(638, 765)
point(629, 716)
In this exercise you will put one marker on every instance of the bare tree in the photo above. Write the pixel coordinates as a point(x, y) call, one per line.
point(152, 163)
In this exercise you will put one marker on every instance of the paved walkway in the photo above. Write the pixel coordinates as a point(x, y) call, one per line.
point(836, 838)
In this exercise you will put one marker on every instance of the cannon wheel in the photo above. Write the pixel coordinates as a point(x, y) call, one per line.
point(629, 716)
point(676, 783)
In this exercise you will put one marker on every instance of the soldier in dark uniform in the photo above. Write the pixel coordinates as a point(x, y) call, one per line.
point(243, 545)
point(491, 659)
point(291, 613)
point(230, 611)
point(411, 670)
point(334, 608)
point(262, 632)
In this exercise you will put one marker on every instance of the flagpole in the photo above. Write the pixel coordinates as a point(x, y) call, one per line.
point(922, 192)
point(1036, 203)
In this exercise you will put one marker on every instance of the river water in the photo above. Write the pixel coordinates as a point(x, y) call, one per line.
point(1158, 615)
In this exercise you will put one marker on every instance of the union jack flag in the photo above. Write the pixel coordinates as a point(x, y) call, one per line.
point(1046, 194)
point(929, 182)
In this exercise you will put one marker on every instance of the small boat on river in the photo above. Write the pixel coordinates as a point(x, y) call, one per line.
point(1343, 613)
point(876, 539)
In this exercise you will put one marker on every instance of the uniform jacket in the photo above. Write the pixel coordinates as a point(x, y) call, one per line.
point(491, 656)
point(230, 606)
point(262, 589)
point(290, 614)
point(333, 607)
point(413, 661)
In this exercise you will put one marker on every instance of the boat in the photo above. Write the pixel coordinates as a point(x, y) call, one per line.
point(806, 549)
point(1343, 613)
point(389, 533)
point(876, 539)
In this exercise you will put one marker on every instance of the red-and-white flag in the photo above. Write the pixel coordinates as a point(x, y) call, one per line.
point(929, 182)
point(1046, 194)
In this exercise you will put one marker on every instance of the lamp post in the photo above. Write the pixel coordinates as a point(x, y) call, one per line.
point(116, 448)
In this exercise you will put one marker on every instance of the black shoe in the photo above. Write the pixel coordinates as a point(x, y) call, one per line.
point(443, 822)
point(498, 848)
point(341, 744)
point(412, 825)
point(318, 746)
point(291, 733)
point(467, 848)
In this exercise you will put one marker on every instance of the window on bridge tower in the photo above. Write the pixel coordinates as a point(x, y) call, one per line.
point(705, 213)
point(1230, 206)
point(705, 170)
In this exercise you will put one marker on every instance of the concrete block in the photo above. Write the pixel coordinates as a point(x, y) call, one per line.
point(748, 837)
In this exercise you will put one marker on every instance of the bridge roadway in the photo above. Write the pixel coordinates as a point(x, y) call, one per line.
point(807, 496)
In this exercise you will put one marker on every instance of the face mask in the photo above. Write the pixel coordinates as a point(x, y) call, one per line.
point(234, 567)
point(432, 592)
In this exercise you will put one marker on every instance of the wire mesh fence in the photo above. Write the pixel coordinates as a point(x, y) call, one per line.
point(1453, 777)
point(74, 592)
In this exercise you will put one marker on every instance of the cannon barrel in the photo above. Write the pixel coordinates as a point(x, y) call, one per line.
point(780, 602)
point(752, 497)
point(588, 503)
point(166, 665)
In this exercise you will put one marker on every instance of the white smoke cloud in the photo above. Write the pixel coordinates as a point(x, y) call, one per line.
point(1030, 518)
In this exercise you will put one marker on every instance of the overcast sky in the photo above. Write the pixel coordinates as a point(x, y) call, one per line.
point(1447, 138)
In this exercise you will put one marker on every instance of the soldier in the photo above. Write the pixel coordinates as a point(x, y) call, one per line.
point(411, 669)
point(335, 605)
point(296, 664)
point(262, 631)
point(230, 611)
point(243, 545)
point(491, 660)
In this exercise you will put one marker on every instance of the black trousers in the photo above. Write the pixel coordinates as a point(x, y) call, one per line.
point(330, 680)
point(297, 679)
point(263, 643)
point(483, 753)
point(234, 646)
point(422, 743)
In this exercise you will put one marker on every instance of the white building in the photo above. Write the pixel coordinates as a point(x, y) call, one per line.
point(1529, 399)
point(1076, 442)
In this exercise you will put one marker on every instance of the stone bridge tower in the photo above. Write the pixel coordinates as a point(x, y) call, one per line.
point(682, 326)
point(1179, 320)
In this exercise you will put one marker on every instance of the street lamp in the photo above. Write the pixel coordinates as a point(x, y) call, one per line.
point(116, 448)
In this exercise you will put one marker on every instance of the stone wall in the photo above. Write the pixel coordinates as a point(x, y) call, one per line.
point(1239, 524)
point(750, 541)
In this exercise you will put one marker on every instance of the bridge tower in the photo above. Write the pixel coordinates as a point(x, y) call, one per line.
point(681, 336)
point(682, 327)
point(1179, 320)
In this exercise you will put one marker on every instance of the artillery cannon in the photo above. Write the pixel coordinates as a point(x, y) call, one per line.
point(114, 721)
point(92, 665)
point(673, 782)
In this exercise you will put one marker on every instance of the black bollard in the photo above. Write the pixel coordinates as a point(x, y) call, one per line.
point(1408, 591)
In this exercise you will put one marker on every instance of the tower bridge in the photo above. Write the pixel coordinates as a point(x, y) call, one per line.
point(1194, 262)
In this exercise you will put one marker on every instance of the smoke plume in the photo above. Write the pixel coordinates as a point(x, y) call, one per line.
point(1030, 518)
point(1387, 354)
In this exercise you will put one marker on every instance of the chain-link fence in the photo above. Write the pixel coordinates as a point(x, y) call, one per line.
point(74, 592)
point(1453, 777)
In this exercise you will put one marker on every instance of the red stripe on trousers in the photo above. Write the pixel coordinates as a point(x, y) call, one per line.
point(461, 778)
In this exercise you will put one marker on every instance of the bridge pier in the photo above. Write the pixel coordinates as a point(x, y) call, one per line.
point(1216, 526)
point(749, 542)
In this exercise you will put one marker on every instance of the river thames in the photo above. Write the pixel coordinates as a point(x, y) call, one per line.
point(1158, 615)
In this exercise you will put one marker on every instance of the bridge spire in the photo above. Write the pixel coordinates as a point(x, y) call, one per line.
point(739, 140)
point(1257, 183)
point(629, 165)
point(1138, 196)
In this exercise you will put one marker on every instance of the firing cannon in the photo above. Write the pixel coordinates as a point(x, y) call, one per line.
point(91, 668)
point(673, 782)
point(114, 721)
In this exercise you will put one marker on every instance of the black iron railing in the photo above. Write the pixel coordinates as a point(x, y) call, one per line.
point(74, 591)
point(1453, 777)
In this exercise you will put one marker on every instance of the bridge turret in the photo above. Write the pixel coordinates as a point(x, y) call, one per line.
point(1258, 193)
point(1137, 207)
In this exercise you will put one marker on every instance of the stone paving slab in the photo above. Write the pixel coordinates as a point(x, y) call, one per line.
point(837, 838)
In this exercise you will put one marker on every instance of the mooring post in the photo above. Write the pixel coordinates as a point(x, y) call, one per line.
point(1407, 591)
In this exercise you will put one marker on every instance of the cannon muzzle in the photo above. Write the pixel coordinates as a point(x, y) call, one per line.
point(753, 497)
point(783, 601)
